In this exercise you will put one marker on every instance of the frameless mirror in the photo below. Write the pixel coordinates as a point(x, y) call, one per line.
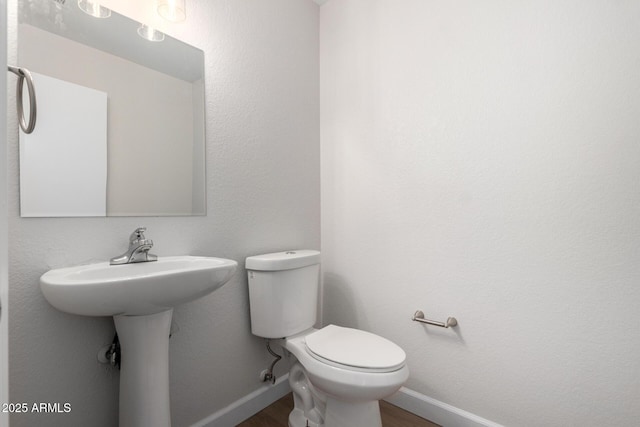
point(120, 123)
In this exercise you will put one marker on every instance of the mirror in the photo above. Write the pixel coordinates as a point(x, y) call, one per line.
point(120, 123)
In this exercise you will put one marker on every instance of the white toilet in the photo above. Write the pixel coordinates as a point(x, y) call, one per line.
point(340, 373)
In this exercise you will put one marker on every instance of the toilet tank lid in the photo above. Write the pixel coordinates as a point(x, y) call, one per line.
point(287, 260)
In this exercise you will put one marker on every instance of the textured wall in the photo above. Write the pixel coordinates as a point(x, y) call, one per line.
point(480, 159)
point(4, 280)
point(263, 188)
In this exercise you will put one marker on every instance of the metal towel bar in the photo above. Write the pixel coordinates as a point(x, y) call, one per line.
point(419, 317)
point(24, 74)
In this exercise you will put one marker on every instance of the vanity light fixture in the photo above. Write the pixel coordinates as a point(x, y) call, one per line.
point(172, 10)
point(151, 34)
point(94, 9)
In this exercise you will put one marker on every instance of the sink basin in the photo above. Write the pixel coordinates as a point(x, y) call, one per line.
point(134, 289)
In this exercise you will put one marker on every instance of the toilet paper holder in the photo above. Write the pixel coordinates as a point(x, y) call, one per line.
point(418, 316)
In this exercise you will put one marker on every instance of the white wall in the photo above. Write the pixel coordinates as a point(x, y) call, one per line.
point(263, 188)
point(4, 275)
point(481, 160)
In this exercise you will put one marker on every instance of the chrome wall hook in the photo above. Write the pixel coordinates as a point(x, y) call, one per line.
point(24, 74)
point(418, 316)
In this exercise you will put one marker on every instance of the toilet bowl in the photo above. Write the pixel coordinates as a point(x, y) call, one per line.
point(339, 374)
point(349, 371)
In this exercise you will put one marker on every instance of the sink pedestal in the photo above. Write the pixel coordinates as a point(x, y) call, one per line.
point(144, 373)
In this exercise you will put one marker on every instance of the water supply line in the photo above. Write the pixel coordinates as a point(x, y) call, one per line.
point(267, 374)
point(113, 354)
point(110, 354)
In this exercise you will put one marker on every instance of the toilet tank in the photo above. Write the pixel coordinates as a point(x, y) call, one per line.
point(283, 292)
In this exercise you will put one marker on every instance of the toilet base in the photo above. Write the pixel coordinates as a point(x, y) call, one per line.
point(298, 419)
point(352, 414)
point(315, 409)
point(341, 414)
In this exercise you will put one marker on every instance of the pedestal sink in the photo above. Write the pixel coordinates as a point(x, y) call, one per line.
point(141, 298)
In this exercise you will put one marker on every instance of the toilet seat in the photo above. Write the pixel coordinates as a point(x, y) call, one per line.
point(354, 349)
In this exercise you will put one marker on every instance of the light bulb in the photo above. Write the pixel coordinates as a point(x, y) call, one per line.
point(151, 34)
point(172, 10)
point(94, 9)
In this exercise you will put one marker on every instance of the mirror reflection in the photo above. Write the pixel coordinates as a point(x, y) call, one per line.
point(120, 128)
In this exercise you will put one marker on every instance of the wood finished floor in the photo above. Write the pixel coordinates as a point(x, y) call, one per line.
point(277, 415)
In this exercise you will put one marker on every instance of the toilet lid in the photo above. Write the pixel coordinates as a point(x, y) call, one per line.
point(355, 348)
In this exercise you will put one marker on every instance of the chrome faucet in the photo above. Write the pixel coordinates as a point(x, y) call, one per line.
point(138, 249)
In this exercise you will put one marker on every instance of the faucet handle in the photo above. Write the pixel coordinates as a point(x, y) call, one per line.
point(138, 234)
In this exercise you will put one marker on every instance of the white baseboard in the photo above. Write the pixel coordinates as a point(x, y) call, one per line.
point(247, 406)
point(436, 411)
point(407, 399)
